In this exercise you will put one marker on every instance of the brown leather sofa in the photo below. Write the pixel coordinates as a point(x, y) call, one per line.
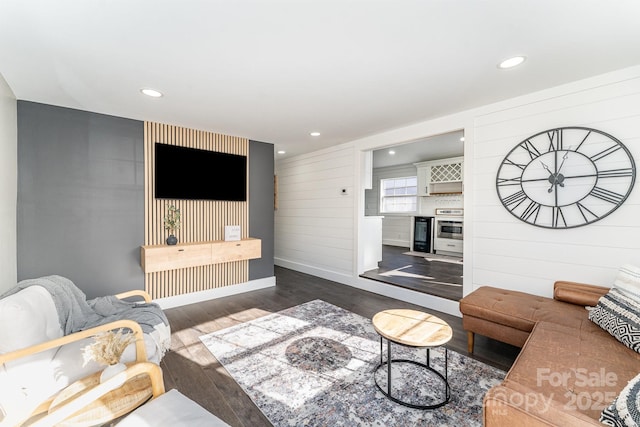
point(569, 369)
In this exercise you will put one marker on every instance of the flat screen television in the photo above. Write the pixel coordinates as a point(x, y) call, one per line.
point(194, 174)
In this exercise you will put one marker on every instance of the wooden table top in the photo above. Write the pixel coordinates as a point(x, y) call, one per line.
point(110, 406)
point(412, 327)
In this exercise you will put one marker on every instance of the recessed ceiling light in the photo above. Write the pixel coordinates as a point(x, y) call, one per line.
point(315, 134)
point(511, 62)
point(392, 152)
point(151, 92)
point(462, 139)
point(281, 152)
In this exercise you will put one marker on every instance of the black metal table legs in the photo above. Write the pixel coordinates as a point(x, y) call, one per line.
point(390, 361)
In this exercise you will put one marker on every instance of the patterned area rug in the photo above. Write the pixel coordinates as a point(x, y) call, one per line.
point(313, 364)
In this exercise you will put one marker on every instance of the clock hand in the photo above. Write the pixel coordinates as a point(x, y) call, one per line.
point(551, 176)
point(564, 158)
point(546, 167)
point(554, 175)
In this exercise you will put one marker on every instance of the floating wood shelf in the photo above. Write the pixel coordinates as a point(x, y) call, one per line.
point(155, 258)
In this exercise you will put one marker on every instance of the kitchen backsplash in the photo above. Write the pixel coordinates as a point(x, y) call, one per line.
point(428, 205)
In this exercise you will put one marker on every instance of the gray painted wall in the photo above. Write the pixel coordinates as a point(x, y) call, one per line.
point(80, 198)
point(261, 221)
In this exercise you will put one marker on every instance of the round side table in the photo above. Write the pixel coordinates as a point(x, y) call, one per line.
point(412, 328)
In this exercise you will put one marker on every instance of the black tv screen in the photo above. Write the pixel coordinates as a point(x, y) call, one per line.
point(190, 173)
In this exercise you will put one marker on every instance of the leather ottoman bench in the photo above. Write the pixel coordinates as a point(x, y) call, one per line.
point(509, 316)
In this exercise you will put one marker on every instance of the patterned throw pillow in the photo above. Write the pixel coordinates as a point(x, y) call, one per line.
point(628, 281)
point(619, 315)
point(625, 409)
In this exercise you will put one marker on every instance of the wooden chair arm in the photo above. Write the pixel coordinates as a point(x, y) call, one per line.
point(72, 406)
point(135, 293)
point(141, 352)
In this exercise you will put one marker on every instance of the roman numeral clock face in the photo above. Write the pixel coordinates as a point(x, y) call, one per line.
point(566, 177)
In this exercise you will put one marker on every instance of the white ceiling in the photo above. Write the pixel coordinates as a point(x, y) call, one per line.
point(275, 70)
point(431, 148)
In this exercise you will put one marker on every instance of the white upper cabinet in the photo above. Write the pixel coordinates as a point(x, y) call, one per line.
point(440, 176)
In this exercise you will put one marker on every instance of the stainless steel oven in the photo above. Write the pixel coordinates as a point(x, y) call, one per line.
point(449, 228)
point(449, 231)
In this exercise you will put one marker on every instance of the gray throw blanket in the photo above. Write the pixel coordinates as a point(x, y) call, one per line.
point(75, 313)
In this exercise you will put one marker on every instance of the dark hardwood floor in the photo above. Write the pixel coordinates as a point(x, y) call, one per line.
point(193, 370)
point(436, 277)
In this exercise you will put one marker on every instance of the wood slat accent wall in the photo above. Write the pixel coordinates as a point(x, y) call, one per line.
point(202, 220)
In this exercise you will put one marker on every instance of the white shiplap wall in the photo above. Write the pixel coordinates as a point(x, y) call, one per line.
point(396, 231)
point(8, 186)
point(499, 250)
point(511, 254)
point(314, 222)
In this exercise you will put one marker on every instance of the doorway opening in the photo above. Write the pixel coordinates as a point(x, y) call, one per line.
point(410, 184)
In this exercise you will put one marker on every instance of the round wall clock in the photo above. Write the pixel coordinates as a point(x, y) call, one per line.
point(565, 177)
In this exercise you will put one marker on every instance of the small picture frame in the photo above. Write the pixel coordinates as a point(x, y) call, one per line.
point(231, 233)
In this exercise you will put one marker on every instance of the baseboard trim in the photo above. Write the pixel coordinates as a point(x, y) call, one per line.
point(194, 297)
point(314, 271)
point(394, 242)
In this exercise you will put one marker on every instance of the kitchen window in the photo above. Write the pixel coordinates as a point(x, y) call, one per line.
point(399, 195)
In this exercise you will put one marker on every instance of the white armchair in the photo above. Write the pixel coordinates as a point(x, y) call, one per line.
point(37, 360)
point(171, 409)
